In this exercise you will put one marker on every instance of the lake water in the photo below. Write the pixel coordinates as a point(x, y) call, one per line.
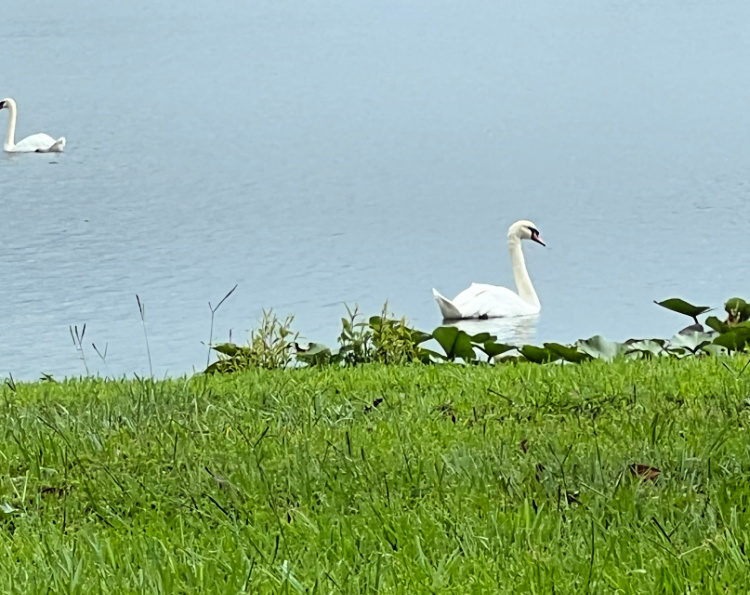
point(324, 152)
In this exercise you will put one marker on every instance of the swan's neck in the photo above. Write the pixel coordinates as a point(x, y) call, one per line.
point(10, 134)
point(523, 281)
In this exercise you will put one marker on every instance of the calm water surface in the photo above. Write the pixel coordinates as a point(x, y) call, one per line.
point(331, 151)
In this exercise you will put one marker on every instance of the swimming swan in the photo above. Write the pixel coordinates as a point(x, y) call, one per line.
point(491, 301)
point(36, 143)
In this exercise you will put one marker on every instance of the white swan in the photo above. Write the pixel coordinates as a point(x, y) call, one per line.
point(491, 301)
point(36, 143)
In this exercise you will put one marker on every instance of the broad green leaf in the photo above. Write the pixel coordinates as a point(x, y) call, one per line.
point(568, 353)
point(426, 354)
point(446, 336)
point(375, 322)
point(455, 343)
point(492, 348)
point(716, 324)
point(482, 337)
point(734, 340)
point(683, 307)
point(538, 355)
point(692, 341)
point(420, 336)
point(229, 349)
point(598, 347)
point(463, 347)
point(647, 346)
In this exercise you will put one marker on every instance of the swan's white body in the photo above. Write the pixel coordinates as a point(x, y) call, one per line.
point(516, 330)
point(36, 143)
point(490, 301)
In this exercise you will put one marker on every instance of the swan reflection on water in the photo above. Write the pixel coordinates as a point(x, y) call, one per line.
point(519, 330)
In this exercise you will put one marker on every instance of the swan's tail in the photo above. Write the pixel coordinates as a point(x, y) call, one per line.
point(447, 309)
point(55, 147)
point(58, 146)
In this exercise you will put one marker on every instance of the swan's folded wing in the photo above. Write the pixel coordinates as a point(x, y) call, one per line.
point(36, 142)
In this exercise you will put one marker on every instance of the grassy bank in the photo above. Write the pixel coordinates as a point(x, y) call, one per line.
point(395, 479)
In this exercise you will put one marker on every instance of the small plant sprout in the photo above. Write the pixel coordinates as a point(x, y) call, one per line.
point(102, 355)
point(142, 311)
point(211, 331)
point(78, 343)
point(271, 346)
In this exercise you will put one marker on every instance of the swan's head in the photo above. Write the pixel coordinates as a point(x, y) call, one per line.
point(7, 103)
point(525, 230)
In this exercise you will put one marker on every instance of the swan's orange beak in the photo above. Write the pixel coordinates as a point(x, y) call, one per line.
point(535, 237)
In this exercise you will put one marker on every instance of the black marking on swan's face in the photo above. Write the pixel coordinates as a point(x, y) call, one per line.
point(3, 104)
point(535, 236)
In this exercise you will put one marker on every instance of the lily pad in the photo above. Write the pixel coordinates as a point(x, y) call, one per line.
point(427, 356)
point(568, 353)
point(599, 348)
point(682, 307)
point(715, 350)
point(538, 355)
point(419, 336)
point(482, 338)
point(455, 343)
point(654, 347)
point(492, 348)
point(692, 328)
point(693, 341)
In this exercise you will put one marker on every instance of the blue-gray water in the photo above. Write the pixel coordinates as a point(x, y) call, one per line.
point(331, 151)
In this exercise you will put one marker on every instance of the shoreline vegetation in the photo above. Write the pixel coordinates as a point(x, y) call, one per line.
point(625, 472)
point(383, 339)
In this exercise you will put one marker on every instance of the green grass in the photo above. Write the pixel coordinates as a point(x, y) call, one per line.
point(295, 481)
